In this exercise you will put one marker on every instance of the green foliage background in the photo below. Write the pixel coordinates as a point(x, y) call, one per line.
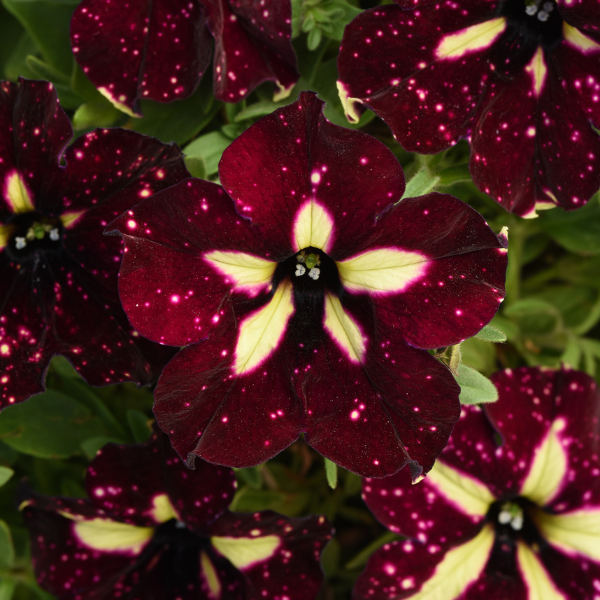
point(550, 316)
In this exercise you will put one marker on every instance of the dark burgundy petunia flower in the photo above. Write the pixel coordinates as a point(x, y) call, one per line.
point(153, 530)
point(318, 295)
point(519, 78)
point(59, 292)
point(159, 49)
point(511, 508)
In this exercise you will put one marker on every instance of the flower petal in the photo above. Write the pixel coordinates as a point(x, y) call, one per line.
point(535, 576)
point(307, 159)
point(421, 573)
point(287, 549)
point(575, 533)
point(459, 288)
point(171, 285)
point(252, 45)
point(130, 51)
point(245, 271)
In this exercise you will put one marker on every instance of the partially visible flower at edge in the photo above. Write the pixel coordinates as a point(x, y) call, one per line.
point(314, 296)
point(59, 273)
point(520, 79)
point(160, 49)
point(511, 508)
point(153, 530)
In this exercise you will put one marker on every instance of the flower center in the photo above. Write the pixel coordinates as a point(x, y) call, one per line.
point(513, 520)
point(538, 21)
point(30, 233)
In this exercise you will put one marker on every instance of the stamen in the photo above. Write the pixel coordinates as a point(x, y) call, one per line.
point(54, 235)
point(531, 9)
point(20, 243)
point(543, 16)
point(517, 522)
point(300, 270)
point(504, 517)
point(314, 273)
point(180, 525)
point(300, 257)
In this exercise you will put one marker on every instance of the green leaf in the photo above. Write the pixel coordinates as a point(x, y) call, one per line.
point(196, 165)
point(249, 500)
point(455, 174)
point(474, 387)
point(421, 183)
point(10, 34)
point(491, 334)
point(534, 316)
point(5, 475)
point(257, 110)
point(139, 425)
point(331, 473)
point(251, 476)
point(48, 23)
point(181, 120)
point(578, 230)
point(91, 446)
point(210, 147)
point(45, 71)
point(7, 550)
point(49, 425)
point(7, 587)
point(341, 14)
point(360, 560)
point(479, 354)
point(16, 65)
point(330, 558)
point(95, 114)
point(314, 38)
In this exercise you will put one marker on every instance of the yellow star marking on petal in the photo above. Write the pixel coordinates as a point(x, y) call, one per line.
point(536, 577)
point(282, 92)
point(538, 70)
point(384, 270)
point(582, 42)
point(349, 104)
point(119, 105)
point(69, 219)
point(244, 551)
point(209, 573)
point(162, 509)
point(16, 194)
point(261, 332)
point(548, 469)
point(475, 37)
point(470, 496)
point(244, 270)
point(343, 329)
point(459, 568)
point(577, 531)
point(313, 226)
point(111, 536)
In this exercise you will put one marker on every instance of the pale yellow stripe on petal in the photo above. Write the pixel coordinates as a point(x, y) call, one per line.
point(162, 509)
point(471, 496)
point(348, 104)
point(17, 195)
point(117, 102)
point(69, 219)
point(209, 573)
point(243, 552)
point(261, 332)
point(538, 70)
point(537, 580)
point(5, 232)
point(475, 37)
point(313, 225)
point(577, 531)
point(242, 270)
point(343, 329)
point(380, 271)
point(111, 536)
point(548, 469)
point(582, 42)
point(460, 567)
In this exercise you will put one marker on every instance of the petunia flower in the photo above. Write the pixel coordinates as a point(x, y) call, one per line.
point(153, 530)
point(519, 78)
point(511, 508)
point(314, 296)
point(159, 49)
point(59, 273)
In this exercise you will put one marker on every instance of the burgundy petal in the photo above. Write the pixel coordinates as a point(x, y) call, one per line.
point(464, 281)
point(236, 420)
point(170, 292)
point(34, 130)
point(252, 45)
point(397, 406)
point(141, 49)
point(581, 14)
point(293, 570)
point(570, 397)
point(303, 156)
